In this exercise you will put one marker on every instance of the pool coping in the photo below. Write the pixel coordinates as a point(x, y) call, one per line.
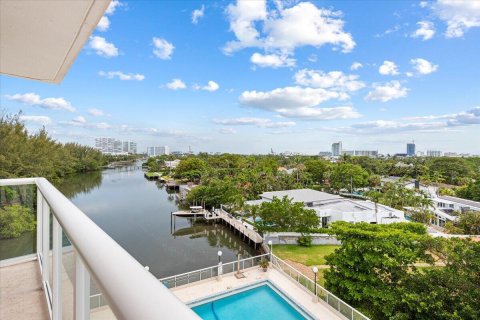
point(216, 296)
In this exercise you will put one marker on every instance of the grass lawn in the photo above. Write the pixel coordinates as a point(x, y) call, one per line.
point(309, 256)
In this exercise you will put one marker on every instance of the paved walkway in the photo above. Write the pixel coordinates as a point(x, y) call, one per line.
point(21, 294)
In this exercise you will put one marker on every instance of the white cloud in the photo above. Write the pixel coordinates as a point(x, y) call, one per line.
point(113, 6)
point(103, 24)
point(298, 102)
point(176, 84)
point(334, 80)
point(356, 66)
point(282, 30)
point(416, 124)
point(42, 120)
point(272, 60)
point(288, 97)
point(96, 112)
point(471, 116)
point(34, 99)
point(80, 120)
point(242, 18)
point(102, 47)
point(211, 86)
point(425, 31)
point(163, 48)
point(122, 76)
point(460, 15)
point(258, 122)
point(388, 68)
point(423, 66)
point(384, 126)
point(386, 92)
point(197, 14)
point(388, 31)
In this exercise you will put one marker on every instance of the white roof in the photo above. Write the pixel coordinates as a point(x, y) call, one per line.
point(301, 195)
point(345, 205)
point(40, 39)
point(470, 203)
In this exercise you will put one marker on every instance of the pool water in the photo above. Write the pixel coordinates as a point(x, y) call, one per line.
point(258, 303)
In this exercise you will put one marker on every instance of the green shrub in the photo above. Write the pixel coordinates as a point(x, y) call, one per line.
point(305, 240)
point(15, 220)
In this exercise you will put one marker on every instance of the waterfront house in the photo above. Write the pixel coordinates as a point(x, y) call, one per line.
point(331, 207)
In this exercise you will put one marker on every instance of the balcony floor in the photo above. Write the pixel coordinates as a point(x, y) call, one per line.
point(21, 294)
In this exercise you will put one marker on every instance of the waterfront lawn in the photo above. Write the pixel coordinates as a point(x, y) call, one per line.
point(309, 256)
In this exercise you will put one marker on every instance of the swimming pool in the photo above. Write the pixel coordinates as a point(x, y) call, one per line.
point(260, 302)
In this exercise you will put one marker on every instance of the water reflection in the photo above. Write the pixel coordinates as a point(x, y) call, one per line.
point(80, 183)
point(136, 212)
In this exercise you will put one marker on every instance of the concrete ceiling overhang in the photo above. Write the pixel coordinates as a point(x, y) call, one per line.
point(40, 39)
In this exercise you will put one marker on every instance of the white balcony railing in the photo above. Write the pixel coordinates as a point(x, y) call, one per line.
point(131, 291)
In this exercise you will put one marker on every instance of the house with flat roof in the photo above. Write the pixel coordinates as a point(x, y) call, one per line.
point(331, 207)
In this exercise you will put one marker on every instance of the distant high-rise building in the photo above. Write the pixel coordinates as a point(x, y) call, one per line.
point(337, 149)
point(158, 151)
point(114, 146)
point(411, 149)
point(434, 153)
point(129, 147)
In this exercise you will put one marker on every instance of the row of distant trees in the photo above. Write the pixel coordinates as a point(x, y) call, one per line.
point(230, 178)
point(23, 154)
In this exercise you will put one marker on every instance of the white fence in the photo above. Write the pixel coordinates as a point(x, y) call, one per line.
point(210, 272)
point(314, 288)
point(292, 237)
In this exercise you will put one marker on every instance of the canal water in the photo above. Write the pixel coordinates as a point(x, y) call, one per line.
point(135, 212)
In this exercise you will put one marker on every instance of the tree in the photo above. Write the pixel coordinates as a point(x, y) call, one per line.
point(454, 170)
point(373, 259)
point(216, 193)
point(285, 215)
point(447, 292)
point(318, 170)
point(468, 223)
point(15, 220)
point(470, 191)
point(346, 175)
point(37, 155)
point(375, 270)
point(190, 168)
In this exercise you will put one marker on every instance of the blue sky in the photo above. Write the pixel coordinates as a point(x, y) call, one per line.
point(289, 75)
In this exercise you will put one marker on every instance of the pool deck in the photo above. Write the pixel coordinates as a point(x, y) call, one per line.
point(202, 289)
point(205, 288)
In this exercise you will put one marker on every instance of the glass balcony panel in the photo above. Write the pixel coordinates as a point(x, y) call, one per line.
point(18, 200)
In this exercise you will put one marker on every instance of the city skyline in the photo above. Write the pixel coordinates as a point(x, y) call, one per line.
point(216, 77)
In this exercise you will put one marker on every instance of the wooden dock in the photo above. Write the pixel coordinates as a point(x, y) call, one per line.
point(220, 215)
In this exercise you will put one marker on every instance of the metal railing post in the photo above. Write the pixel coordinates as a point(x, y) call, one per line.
point(39, 221)
point(57, 271)
point(45, 240)
point(82, 290)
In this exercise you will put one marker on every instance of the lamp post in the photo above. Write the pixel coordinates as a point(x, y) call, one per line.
point(271, 248)
point(315, 270)
point(219, 253)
